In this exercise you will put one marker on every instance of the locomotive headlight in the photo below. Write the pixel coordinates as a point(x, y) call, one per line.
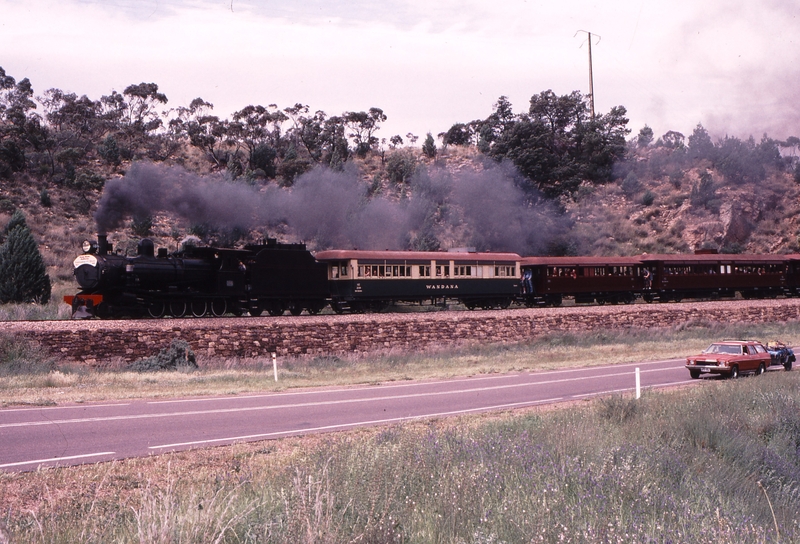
point(88, 246)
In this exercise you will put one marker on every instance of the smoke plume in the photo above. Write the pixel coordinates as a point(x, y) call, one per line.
point(327, 209)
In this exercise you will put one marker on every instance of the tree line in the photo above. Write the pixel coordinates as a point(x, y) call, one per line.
point(57, 134)
point(556, 145)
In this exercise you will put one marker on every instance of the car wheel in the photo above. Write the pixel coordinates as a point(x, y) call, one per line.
point(761, 369)
point(788, 365)
point(694, 374)
point(734, 372)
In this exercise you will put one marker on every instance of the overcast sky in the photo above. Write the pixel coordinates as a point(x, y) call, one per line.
point(731, 65)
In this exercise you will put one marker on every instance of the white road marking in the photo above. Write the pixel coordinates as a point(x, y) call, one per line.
point(84, 406)
point(307, 404)
point(392, 385)
point(356, 424)
point(610, 391)
point(56, 459)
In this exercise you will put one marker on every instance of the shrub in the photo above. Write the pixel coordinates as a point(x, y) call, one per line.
point(22, 356)
point(109, 151)
point(631, 184)
point(6, 206)
point(648, 198)
point(178, 356)
point(142, 226)
point(263, 157)
point(44, 198)
point(676, 178)
point(703, 193)
point(400, 166)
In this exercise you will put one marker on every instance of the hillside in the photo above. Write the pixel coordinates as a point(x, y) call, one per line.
point(654, 215)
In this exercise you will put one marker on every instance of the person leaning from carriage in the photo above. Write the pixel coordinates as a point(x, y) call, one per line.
point(527, 282)
point(648, 279)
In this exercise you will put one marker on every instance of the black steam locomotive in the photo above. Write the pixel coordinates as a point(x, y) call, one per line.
point(198, 281)
point(276, 277)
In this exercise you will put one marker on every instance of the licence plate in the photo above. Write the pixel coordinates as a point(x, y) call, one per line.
point(705, 370)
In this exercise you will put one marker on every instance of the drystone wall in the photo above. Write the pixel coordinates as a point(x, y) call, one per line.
point(116, 343)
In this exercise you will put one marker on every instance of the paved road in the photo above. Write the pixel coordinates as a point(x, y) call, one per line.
point(85, 433)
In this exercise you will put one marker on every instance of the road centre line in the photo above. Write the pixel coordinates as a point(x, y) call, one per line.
point(358, 424)
point(65, 407)
point(306, 404)
point(389, 385)
point(599, 393)
point(56, 459)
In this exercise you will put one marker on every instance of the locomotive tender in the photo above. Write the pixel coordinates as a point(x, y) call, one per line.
point(276, 277)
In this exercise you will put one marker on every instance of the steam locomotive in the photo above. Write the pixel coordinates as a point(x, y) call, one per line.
point(198, 281)
point(276, 277)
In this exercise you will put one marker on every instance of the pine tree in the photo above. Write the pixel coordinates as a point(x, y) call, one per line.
point(23, 276)
point(429, 147)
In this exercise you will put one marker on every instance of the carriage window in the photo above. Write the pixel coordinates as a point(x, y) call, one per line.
point(424, 271)
point(334, 271)
point(505, 271)
point(465, 270)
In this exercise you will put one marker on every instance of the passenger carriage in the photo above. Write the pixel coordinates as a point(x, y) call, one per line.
point(712, 275)
point(372, 280)
point(546, 280)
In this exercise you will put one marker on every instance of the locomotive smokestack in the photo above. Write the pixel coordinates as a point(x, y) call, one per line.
point(102, 244)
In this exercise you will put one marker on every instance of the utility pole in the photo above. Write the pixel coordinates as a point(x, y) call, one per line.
point(591, 77)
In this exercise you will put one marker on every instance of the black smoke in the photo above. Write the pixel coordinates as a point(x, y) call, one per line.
point(149, 188)
point(482, 209)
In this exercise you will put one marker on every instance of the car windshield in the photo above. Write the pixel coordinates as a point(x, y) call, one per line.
point(724, 348)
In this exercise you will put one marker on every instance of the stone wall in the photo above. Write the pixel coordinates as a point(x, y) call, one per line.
point(114, 343)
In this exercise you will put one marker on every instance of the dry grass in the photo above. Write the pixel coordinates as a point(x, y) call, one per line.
point(608, 470)
point(231, 377)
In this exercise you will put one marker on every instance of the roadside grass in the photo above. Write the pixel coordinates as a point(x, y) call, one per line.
point(705, 464)
point(53, 310)
point(31, 377)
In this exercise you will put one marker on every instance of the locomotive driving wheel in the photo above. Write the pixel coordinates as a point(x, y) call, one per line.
point(177, 308)
point(156, 309)
point(218, 307)
point(199, 308)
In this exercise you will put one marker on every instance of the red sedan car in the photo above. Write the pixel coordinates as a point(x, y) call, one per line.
point(730, 358)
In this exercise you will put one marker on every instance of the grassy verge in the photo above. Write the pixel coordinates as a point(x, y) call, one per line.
point(702, 464)
point(27, 376)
